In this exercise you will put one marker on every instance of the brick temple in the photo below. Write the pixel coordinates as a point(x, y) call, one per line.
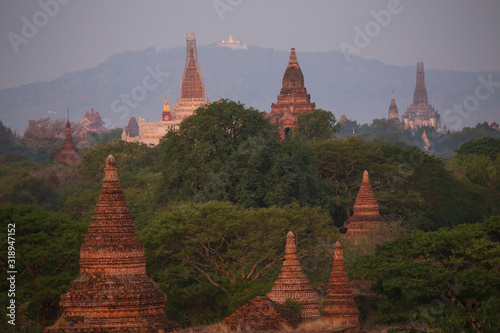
point(366, 213)
point(262, 314)
point(68, 153)
point(192, 97)
point(421, 113)
point(339, 304)
point(112, 293)
point(293, 98)
point(293, 283)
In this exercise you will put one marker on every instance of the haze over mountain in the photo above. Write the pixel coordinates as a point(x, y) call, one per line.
point(361, 90)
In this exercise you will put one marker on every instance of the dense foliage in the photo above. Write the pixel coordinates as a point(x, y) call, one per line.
point(230, 153)
point(46, 249)
point(448, 279)
point(218, 248)
point(214, 201)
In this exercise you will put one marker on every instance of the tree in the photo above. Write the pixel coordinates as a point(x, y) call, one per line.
point(488, 146)
point(46, 260)
point(227, 152)
point(25, 182)
point(130, 157)
point(217, 248)
point(449, 279)
point(319, 124)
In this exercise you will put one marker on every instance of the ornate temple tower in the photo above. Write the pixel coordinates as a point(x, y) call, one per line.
point(293, 283)
point(339, 303)
point(293, 98)
point(192, 84)
point(68, 152)
point(393, 110)
point(112, 293)
point(421, 113)
point(365, 213)
point(166, 115)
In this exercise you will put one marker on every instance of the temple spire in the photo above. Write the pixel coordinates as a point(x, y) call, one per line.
point(365, 212)
point(293, 283)
point(339, 303)
point(293, 58)
point(192, 84)
point(420, 92)
point(68, 153)
point(112, 292)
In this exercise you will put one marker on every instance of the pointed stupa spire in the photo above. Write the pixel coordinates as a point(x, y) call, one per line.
point(393, 109)
point(112, 291)
point(293, 283)
point(420, 92)
point(366, 211)
point(293, 57)
point(68, 153)
point(339, 303)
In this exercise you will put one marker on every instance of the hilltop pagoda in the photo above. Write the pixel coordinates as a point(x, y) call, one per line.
point(68, 153)
point(293, 283)
point(112, 293)
point(293, 98)
point(366, 213)
point(421, 113)
point(339, 303)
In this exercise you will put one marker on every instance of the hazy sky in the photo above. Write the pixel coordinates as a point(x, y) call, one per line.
point(79, 34)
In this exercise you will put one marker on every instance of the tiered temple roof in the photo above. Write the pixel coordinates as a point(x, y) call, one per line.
point(421, 113)
point(339, 303)
point(366, 213)
point(192, 84)
point(293, 98)
point(112, 293)
point(92, 121)
point(132, 127)
point(68, 153)
point(293, 283)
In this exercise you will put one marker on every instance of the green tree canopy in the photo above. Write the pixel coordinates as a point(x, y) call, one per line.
point(227, 152)
point(449, 279)
point(319, 124)
point(46, 260)
point(130, 157)
point(218, 248)
point(488, 146)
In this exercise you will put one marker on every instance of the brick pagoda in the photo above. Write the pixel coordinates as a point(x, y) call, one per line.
point(293, 283)
point(112, 293)
point(293, 98)
point(365, 213)
point(261, 314)
point(68, 152)
point(339, 303)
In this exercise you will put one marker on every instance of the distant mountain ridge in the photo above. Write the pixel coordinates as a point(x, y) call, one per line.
point(134, 83)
